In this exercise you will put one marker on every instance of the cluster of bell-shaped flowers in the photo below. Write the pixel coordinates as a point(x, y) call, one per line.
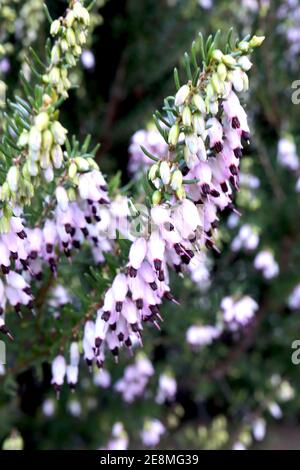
point(137, 291)
point(85, 220)
point(192, 183)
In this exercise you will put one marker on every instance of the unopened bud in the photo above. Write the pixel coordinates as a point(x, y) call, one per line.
point(176, 181)
point(35, 139)
point(180, 193)
point(198, 124)
point(54, 76)
point(217, 55)
point(62, 198)
point(70, 36)
point(93, 165)
point(64, 45)
point(72, 171)
point(70, 59)
point(55, 54)
point(70, 18)
point(191, 141)
point(82, 164)
point(256, 41)
point(229, 60)
point(4, 225)
point(182, 95)
point(165, 172)
point(199, 103)
point(173, 134)
point(210, 92)
point(213, 107)
point(41, 121)
point(156, 197)
point(187, 116)
point(243, 46)
point(32, 168)
point(45, 160)
point(81, 37)
point(85, 16)
point(245, 63)
point(12, 178)
point(5, 191)
point(57, 156)
point(47, 139)
point(222, 71)
point(55, 27)
point(153, 171)
point(216, 83)
point(72, 194)
point(23, 139)
point(59, 132)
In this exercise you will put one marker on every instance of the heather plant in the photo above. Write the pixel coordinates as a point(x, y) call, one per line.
point(172, 261)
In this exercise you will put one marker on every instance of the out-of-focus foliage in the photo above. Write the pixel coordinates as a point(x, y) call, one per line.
point(228, 390)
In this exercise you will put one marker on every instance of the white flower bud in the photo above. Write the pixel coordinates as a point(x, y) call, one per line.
point(82, 163)
point(152, 174)
point(58, 370)
point(216, 83)
point(243, 46)
point(245, 63)
point(198, 101)
point(81, 37)
point(12, 178)
point(70, 36)
point(32, 167)
point(210, 92)
point(64, 45)
point(55, 27)
point(49, 174)
point(236, 77)
point(85, 16)
point(55, 54)
point(222, 71)
point(54, 76)
point(176, 181)
point(35, 139)
point(198, 124)
point(59, 133)
point(182, 95)
point(165, 172)
point(72, 171)
point(186, 116)
point(256, 41)
point(45, 160)
point(213, 107)
point(23, 139)
point(62, 198)
point(70, 18)
point(57, 156)
point(47, 139)
point(217, 55)
point(156, 197)
point(229, 60)
point(191, 141)
point(173, 134)
point(41, 121)
point(180, 193)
